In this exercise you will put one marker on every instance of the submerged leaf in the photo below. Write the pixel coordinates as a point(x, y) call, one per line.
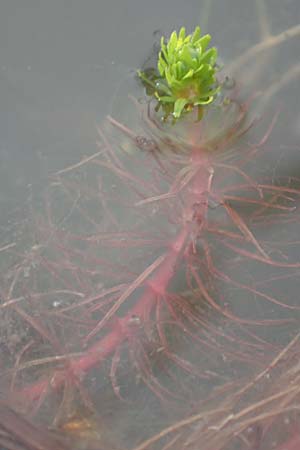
point(196, 35)
point(182, 33)
point(179, 106)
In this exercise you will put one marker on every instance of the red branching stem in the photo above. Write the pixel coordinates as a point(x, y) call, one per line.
point(154, 280)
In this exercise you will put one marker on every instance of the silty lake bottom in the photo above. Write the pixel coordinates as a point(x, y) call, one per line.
point(149, 271)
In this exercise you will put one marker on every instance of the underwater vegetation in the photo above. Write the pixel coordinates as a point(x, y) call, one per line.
point(186, 72)
point(160, 283)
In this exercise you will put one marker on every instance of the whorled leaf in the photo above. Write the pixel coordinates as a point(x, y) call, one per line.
point(186, 71)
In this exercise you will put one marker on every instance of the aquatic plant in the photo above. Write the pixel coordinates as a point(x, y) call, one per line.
point(187, 72)
point(127, 270)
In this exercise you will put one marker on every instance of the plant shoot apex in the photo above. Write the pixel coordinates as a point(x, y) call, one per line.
point(186, 72)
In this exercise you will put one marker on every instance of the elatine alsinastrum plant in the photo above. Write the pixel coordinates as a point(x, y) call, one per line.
point(186, 72)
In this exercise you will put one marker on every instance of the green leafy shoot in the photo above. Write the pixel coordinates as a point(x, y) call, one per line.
point(186, 72)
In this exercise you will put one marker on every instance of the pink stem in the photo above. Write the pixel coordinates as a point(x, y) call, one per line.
point(155, 287)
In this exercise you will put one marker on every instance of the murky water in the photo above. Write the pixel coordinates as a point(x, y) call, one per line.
point(61, 63)
point(77, 233)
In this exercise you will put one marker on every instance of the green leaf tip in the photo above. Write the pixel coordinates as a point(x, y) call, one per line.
point(186, 72)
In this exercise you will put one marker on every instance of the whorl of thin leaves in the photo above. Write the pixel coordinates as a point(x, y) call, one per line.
point(187, 69)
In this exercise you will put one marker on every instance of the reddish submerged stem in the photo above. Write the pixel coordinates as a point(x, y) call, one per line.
point(155, 282)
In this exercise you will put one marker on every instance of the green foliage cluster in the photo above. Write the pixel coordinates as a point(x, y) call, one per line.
point(186, 72)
